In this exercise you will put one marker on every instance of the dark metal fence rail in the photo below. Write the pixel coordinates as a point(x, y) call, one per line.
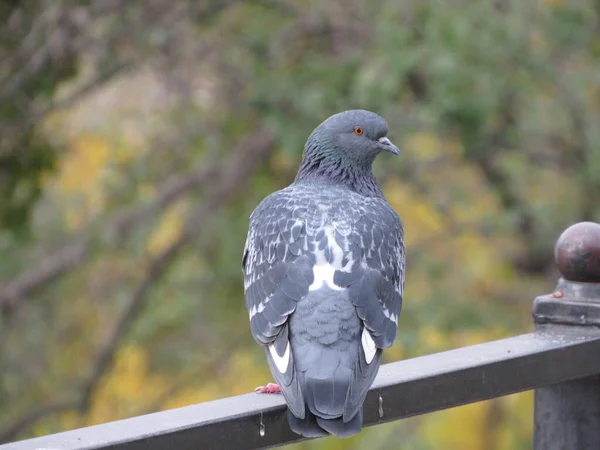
point(406, 388)
point(561, 357)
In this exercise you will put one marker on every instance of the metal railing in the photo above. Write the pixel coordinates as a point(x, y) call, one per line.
point(560, 359)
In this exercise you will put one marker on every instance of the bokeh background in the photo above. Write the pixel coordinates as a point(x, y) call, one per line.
point(137, 136)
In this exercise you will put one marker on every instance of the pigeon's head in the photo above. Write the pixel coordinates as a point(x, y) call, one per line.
point(356, 136)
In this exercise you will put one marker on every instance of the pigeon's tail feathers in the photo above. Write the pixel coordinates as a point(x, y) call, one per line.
point(335, 394)
point(342, 429)
point(326, 388)
point(313, 426)
point(307, 427)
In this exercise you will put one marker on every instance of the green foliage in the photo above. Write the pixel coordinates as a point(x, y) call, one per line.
point(25, 155)
point(494, 106)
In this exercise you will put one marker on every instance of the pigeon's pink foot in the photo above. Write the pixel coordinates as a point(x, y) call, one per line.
point(270, 388)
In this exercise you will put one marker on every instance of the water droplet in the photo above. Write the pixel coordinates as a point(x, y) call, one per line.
point(380, 406)
point(261, 428)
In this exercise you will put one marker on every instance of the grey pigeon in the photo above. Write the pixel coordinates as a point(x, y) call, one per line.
point(324, 275)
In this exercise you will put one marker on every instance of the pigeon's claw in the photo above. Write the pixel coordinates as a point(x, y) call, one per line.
point(270, 388)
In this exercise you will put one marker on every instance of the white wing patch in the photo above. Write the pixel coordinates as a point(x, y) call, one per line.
point(323, 275)
point(281, 362)
point(323, 270)
point(368, 345)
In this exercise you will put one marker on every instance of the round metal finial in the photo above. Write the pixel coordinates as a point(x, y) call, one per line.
point(577, 252)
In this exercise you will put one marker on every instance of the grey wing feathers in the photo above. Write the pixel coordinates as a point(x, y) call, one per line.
point(276, 275)
point(376, 286)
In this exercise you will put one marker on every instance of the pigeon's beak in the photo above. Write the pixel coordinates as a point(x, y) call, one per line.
point(387, 146)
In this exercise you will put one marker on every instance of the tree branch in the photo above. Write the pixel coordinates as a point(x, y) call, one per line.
point(155, 270)
point(232, 176)
point(68, 24)
point(76, 250)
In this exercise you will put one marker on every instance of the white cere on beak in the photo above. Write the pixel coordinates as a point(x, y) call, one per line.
point(385, 141)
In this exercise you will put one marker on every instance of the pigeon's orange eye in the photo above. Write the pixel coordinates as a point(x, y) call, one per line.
point(358, 131)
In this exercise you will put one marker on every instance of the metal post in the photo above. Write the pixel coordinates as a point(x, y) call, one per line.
point(567, 415)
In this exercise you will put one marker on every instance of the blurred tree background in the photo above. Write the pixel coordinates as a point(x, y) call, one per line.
point(137, 136)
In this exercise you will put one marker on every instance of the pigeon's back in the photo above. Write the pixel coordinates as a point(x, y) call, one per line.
point(323, 277)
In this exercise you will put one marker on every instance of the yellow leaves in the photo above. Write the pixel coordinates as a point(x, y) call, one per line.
point(476, 206)
point(253, 370)
point(68, 421)
point(82, 166)
point(518, 423)
point(423, 145)
point(428, 146)
point(420, 219)
point(131, 367)
point(80, 175)
point(432, 338)
point(451, 236)
point(121, 392)
point(192, 395)
point(394, 353)
point(83, 172)
point(128, 385)
point(465, 338)
point(479, 261)
point(167, 231)
point(480, 426)
point(452, 192)
point(457, 429)
point(451, 222)
point(240, 375)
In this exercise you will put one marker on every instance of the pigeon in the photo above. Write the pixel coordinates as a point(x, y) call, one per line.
point(323, 272)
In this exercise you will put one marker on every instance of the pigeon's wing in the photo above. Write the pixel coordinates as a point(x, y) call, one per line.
point(276, 276)
point(374, 276)
point(276, 273)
